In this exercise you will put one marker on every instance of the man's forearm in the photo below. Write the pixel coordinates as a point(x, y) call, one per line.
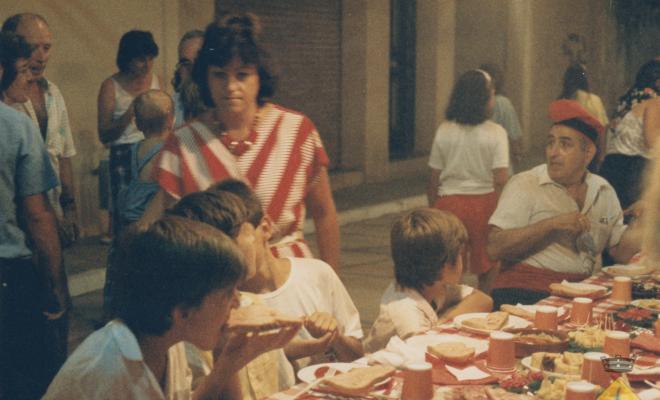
point(519, 243)
point(43, 232)
point(629, 245)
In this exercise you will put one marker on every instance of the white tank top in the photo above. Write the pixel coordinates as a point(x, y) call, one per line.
point(628, 137)
point(123, 100)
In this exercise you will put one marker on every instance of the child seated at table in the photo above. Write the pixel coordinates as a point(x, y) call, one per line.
point(296, 286)
point(178, 283)
point(426, 248)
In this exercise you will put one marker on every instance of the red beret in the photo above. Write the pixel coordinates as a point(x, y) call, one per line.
point(572, 114)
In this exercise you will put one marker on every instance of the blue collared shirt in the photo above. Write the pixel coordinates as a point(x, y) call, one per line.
point(25, 170)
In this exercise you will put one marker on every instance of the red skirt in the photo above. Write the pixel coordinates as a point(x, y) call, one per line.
point(474, 211)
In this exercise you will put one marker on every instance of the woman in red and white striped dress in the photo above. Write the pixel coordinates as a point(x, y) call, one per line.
point(277, 151)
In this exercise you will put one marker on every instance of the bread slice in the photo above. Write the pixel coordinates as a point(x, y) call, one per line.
point(452, 352)
point(559, 289)
point(497, 320)
point(517, 311)
point(492, 322)
point(358, 381)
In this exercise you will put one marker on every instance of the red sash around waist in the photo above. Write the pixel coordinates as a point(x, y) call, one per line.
point(524, 276)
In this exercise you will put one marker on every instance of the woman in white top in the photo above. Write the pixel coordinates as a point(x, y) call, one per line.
point(628, 140)
point(116, 118)
point(576, 87)
point(116, 122)
point(469, 166)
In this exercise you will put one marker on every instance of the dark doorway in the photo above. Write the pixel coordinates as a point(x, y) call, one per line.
point(402, 79)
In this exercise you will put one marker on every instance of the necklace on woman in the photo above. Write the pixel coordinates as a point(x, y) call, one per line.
point(240, 146)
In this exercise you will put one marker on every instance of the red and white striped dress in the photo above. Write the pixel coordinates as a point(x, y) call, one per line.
point(285, 159)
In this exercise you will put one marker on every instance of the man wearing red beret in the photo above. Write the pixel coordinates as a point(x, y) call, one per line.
point(552, 222)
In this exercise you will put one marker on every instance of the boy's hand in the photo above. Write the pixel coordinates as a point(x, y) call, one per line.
point(299, 348)
point(320, 324)
point(242, 347)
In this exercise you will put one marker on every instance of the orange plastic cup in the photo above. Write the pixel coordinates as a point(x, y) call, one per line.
point(580, 390)
point(622, 290)
point(581, 311)
point(501, 352)
point(417, 382)
point(546, 318)
point(617, 343)
point(593, 370)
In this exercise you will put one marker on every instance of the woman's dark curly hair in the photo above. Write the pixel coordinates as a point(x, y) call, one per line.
point(468, 103)
point(233, 36)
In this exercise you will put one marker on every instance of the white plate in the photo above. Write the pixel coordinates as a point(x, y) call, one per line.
point(512, 323)
point(527, 363)
point(421, 342)
point(640, 303)
point(631, 270)
point(307, 374)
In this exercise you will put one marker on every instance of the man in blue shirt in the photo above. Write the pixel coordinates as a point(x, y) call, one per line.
point(34, 295)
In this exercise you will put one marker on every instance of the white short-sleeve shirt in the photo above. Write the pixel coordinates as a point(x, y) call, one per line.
point(109, 365)
point(59, 139)
point(466, 156)
point(313, 286)
point(532, 196)
point(405, 312)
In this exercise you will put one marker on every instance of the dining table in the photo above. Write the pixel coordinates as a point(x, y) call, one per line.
point(602, 310)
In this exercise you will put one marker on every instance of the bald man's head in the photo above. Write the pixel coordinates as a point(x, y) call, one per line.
point(35, 30)
point(154, 112)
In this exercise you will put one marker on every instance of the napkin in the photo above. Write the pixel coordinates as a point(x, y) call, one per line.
point(443, 376)
point(397, 353)
point(467, 374)
point(650, 394)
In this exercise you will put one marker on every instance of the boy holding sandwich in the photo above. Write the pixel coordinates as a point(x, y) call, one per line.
point(426, 249)
point(178, 283)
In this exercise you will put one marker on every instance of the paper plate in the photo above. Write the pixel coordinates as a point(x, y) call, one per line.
point(308, 374)
point(647, 304)
point(630, 270)
point(512, 323)
point(527, 363)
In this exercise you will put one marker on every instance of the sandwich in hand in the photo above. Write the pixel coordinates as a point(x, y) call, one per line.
point(358, 381)
point(452, 352)
point(492, 322)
